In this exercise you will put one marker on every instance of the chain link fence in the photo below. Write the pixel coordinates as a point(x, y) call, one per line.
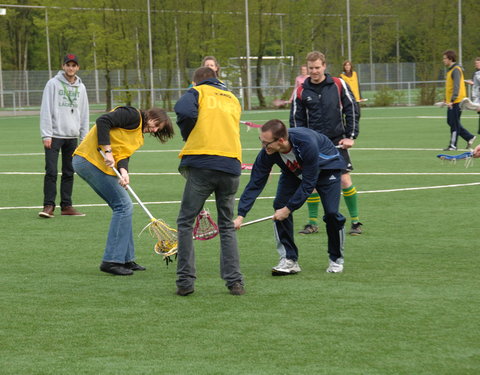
point(382, 84)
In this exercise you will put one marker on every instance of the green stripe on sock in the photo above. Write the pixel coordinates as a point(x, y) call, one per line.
point(312, 203)
point(350, 197)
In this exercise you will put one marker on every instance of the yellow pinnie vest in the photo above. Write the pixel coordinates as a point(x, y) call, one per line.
point(124, 143)
point(217, 130)
point(462, 92)
point(353, 83)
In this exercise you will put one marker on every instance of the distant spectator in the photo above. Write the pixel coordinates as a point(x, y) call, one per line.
point(298, 81)
point(64, 116)
point(475, 81)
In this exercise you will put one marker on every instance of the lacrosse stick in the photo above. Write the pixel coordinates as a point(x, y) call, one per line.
point(466, 103)
point(247, 166)
point(205, 228)
point(251, 124)
point(280, 103)
point(440, 104)
point(167, 243)
point(467, 156)
point(257, 221)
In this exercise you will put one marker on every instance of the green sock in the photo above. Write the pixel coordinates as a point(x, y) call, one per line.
point(312, 203)
point(350, 196)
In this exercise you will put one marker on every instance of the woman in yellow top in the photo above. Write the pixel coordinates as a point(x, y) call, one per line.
point(119, 133)
point(212, 63)
point(350, 76)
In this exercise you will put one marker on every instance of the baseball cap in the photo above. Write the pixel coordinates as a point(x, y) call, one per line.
point(70, 57)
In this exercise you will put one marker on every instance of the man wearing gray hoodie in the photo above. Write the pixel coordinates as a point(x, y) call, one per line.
point(64, 117)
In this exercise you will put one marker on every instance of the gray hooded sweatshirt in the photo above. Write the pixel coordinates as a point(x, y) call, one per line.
point(64, 112)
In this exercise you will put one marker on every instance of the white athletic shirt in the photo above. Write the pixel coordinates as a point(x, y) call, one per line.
point(291, 162)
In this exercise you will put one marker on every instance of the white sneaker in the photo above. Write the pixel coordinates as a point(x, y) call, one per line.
point(470, 142)
point(280, 264)
point(286, 267)
point(335, 267)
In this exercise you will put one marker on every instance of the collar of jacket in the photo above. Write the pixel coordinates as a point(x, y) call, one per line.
point(213, 82)
point(327, 81)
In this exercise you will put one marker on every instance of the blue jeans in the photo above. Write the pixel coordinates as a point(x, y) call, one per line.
point(200, 184)
point(119, 247)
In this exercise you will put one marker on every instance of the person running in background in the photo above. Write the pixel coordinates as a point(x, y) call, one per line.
point(64, 117)
point(327, 105)
point(455, 92)
point(475, 82)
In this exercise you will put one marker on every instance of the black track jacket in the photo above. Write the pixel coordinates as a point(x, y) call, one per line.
point(326, 109)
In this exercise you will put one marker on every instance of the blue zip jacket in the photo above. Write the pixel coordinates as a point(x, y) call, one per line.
point(314, 152)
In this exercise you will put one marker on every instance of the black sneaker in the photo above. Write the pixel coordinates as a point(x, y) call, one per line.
point(185, 292)
point(356, 229)
point(115, 269)
point(134, 266)
point(309, 229)
point(237, 289)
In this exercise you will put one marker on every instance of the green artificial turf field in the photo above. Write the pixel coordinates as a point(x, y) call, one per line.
point(406, 303)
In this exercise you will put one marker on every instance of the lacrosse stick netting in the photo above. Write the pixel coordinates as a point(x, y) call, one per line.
point(205, 228)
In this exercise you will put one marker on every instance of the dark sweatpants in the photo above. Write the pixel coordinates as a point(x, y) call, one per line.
point(329, 188)
point(456, 128)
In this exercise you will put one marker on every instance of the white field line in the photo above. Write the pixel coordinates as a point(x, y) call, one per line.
point(439, 117)
point(278, 173)
point(213, 200)
point(258, 149)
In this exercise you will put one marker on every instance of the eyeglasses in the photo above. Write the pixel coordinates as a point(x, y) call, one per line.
point(266, 144)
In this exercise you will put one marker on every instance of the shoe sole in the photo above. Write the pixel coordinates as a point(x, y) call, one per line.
point(280, 273)
point(45, 215)
point(237, 293)
point(185, 293)
point(117, 274)
point(354, 234)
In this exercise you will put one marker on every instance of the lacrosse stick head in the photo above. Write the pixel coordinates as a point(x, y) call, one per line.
point(247, 166)
point(205, 228)
point(467, 156)
point(167, 243)
point(466, 103)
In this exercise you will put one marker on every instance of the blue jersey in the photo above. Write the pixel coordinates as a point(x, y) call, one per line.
point(311, 152)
